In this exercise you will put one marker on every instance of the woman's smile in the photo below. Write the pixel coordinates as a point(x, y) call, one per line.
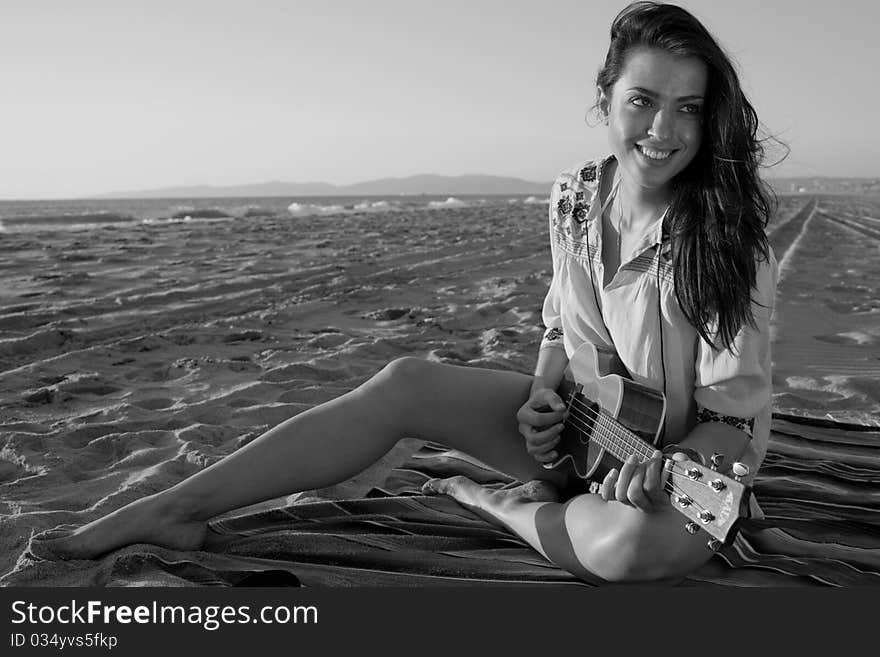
point(654, 155)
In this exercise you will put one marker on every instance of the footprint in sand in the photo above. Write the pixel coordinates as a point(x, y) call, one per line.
point(386, 314)
point(155, 404)
point(242, 364)
point(84, 435)
point(210, 434)
point(39, 396)
point(244, 336)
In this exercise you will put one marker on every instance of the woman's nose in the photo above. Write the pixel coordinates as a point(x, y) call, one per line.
point(661, 127)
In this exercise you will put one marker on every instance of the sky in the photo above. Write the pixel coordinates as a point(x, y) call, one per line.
point(101, 96)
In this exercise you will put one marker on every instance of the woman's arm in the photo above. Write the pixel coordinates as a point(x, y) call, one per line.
point(541, 417)
point(708, 438)
point(552, 362)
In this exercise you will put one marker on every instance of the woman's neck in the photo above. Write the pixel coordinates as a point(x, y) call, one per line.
point(643, 206)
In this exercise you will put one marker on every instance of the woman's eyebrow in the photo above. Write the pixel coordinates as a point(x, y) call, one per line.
point(654, 94)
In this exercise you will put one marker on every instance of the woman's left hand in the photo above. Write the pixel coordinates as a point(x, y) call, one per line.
point(637, 484)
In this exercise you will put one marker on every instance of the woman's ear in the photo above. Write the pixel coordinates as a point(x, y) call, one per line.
point(604, 104)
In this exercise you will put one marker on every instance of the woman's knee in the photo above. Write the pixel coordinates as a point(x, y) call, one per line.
point(647, 549)
point(402, 378)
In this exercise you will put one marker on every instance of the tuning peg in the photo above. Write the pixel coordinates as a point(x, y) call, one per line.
point(716, 460)
point(740, 470)
point(694, 473)
point(692, 528)
point(683, 500)
point(717, 485)
point(706, 516)
point(714, 544)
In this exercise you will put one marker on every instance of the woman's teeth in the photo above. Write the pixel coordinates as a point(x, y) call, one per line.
point(653, 153)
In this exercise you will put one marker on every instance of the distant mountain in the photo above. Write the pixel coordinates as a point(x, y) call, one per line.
point(435, 185)
point(429, 184)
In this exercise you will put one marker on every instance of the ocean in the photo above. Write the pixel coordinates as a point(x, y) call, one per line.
point(86, 214)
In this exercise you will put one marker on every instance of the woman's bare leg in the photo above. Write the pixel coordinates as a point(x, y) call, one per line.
point(587, 536)
point(470, 409)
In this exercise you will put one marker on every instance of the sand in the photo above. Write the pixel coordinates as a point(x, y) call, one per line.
point(133, 356)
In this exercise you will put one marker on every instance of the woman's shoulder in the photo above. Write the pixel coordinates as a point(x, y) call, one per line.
point(582, 176)
point(575, 190)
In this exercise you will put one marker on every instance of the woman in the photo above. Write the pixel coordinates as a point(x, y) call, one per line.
point(659, 253)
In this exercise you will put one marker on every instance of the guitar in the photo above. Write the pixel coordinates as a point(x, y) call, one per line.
point(611, 417)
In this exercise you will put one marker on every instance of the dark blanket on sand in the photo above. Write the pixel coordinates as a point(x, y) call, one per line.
point(817, 489)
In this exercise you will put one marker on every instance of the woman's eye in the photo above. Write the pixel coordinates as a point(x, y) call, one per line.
point(640, 101)
point(692, 108)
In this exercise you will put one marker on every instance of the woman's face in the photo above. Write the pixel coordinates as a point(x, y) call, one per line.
point(655, 115)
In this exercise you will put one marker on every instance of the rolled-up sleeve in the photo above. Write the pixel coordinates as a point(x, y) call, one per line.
point(734, 385)
point(552, 310)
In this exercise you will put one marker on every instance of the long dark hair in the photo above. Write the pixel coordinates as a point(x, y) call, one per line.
point(720, 206)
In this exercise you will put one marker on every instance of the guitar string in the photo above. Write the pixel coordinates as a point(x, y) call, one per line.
point(676, 488)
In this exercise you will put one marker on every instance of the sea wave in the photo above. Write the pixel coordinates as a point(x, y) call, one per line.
point(374, 206)
point(63, 221)
point(321, 209)
point(190, 215)
point(311, 209)
point(205, 213)
point(450, 202)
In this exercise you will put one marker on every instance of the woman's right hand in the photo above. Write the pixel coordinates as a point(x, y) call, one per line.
point(540, 423)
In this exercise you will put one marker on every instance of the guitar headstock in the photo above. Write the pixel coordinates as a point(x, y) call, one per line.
point(712, 501)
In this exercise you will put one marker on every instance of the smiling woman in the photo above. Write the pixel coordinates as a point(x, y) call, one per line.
point(660, 268)
point(666, 89)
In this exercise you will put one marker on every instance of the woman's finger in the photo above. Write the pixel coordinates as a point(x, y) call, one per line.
point(544, 437)
point(654, 479)
point(547, 457)
point(626, 472)
point(606, 490)
point(543, 452)
point(545, 397)
point(635, 492)
point(542, 419)
point(542, 409)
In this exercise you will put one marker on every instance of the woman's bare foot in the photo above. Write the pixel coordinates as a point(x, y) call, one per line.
point(490, 503)
point(148, 520)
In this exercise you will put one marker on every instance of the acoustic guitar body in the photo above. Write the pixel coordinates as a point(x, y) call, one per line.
point(596, 388)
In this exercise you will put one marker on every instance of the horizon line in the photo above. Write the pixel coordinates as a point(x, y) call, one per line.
point(99, 196)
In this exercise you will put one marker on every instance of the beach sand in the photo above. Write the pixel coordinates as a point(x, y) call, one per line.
point(133, 356)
